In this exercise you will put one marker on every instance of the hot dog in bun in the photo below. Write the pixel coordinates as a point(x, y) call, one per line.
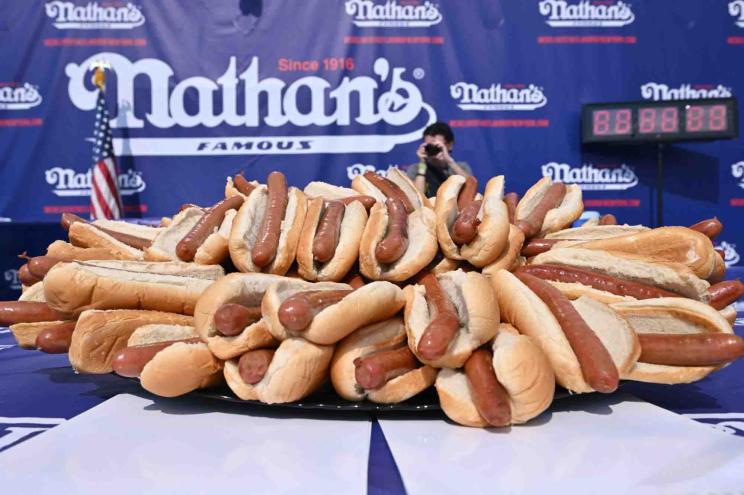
point(507, 382)
point(375, 363)
point(548, 207)
point(470, 226)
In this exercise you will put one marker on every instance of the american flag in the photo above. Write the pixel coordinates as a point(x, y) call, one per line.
point(105, 201)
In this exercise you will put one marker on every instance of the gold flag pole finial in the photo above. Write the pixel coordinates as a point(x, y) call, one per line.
point(99, 76)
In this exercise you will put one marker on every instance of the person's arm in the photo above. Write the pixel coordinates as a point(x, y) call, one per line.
point(457, 168)
point(419, 174)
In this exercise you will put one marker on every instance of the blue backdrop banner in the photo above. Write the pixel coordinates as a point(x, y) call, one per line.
point(323, 90)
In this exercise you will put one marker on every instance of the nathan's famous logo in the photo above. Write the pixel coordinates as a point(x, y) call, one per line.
point(367, 13)
point(659, 91)
point(250, 101)
point(19, 96)
point(11, 278)
point(730, 256)
point(498, 97)
point(591, 178)
point(561, 13)
point(68, 15)
point(737, 170)
point(360, 168)
point(67, 182)
point(736, 9)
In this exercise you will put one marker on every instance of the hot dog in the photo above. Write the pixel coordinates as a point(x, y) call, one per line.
point(328, 232)
point(601, 282)
point(297, 311)
point(444, 325)
point(242, 185)
point(366, 201)
point(489, 396)
point(228, 317)
point(266, 230)
point(267, 243)
point(532, 223)
point(26, 277)
point(548, 207)
point(384, 253)
point(39, 266)
point(207, 225)
point(588, 344)
point(395, 184)
point(632, 269)
point(709, 228)
point(682, 340)
point(724, 293)
point(56, 338)
point(477, 231)
point(512, 200)
point(169, 359)
point(466, 224)
point(375, 363)
point(449, 315)
point(488, 391)
point(231, 318)
point(326, 312)
point(467, 193)
point(130, 239)
point(122, 239)
point(12, 312)
point(389, 189)
point(608, 219)
point(346, 195)
point(295, 370)
point(253, 365)
point(697, 349)
point(597, 366)
point(395, 243)
point(537, 246)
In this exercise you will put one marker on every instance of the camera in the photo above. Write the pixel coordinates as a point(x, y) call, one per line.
point(432, 149)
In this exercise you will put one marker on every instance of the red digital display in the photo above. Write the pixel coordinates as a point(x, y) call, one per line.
point(705, 118)
point(678, 120)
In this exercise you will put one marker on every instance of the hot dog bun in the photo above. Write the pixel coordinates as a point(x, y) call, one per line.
point(347, 249)
point(673, 277)
point(231, 190)
point(175, 287)
point(509, 259)
point(246, 225)
point(87, 236)
point(212, 251)
point(243, 288)
point(569, 210)
point(590, 233)
point(380, 335)
point(477, 311)
point(397, 177)
point(67, 252)
point(669, 244)
point(368, 304)
point(317, 189)
point(671, 315)
point(422, 246)
point(297, 369)
point(530, 315)
point(99, 335)
point(493, 230)
point(179, 368)
point(729, 314)
point(520, 366)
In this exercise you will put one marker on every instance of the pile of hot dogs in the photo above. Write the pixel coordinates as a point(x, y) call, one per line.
point(383, 292)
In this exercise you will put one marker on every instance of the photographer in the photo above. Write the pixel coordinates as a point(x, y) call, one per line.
point(435, 159)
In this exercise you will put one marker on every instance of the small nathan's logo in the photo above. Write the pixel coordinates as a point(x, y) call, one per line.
point(393, 14)
point(498, 97)
point(19, 96)
point(360, 168)
point(67, 182)
point(561, 13)
point(11, 278)
point(736, 9)
point(661, 92)
point(68, 15)
point(591, 178)
point(737, 170)
point(730, 255)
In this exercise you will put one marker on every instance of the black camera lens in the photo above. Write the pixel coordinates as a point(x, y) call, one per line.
point(432, 149)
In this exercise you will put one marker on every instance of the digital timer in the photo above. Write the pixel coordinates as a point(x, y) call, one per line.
point(679, 120)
